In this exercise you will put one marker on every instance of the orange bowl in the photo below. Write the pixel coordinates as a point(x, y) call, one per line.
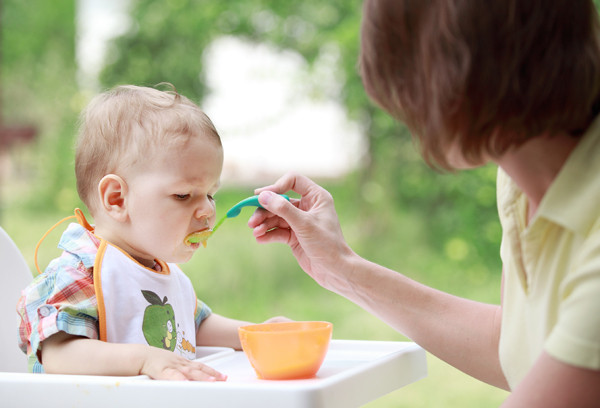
point(286, 351)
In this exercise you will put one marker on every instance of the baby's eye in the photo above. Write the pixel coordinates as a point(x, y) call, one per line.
point(181, 197)
point(210, 197)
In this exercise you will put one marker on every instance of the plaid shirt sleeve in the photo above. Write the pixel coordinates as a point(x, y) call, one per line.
point(60, 299)
point(202, 312)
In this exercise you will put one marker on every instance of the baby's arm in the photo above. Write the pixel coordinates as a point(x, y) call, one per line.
point(66, 354)
point(217, 330)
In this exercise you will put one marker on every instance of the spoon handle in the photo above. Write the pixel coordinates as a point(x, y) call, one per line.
point(247, 202)
point(218, 224)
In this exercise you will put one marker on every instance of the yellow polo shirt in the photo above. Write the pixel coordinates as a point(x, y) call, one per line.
point(551, 297)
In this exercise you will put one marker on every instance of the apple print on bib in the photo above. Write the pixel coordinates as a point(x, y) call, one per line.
point(159, 322)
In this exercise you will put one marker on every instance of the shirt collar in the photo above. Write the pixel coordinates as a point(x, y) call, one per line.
point(573, 199)
point(81, 242)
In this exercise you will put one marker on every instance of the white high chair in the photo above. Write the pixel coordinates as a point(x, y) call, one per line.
point(353, 373)
point(15, 276)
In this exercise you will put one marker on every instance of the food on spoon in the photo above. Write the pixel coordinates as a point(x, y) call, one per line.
point(198, 237)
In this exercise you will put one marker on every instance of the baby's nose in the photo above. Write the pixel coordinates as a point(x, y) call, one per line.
point(204, 211)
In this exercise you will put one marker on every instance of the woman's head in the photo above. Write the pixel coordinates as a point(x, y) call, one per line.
point(482, 75)
point(128, 125)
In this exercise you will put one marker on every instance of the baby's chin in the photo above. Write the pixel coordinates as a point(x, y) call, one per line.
point(172, 259)
point(184, 259)
point(180, 258)
point(177, 255)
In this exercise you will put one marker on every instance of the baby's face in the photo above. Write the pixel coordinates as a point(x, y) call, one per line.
point(170, 196)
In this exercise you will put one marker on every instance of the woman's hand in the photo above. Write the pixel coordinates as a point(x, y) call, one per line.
point(309, 225)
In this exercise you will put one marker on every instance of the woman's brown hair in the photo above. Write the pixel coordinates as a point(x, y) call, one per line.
point(485, 75)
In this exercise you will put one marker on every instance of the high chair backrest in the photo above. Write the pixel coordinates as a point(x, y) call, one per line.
point(14, 275)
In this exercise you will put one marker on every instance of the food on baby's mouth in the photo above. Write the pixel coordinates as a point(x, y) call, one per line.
point(198, 237)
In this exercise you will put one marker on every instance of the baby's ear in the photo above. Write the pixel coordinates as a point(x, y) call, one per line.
point(112, 190)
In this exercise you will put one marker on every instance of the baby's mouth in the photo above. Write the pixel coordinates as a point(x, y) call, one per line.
point(198, 237)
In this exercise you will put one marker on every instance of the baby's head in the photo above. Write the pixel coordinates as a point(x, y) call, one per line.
point(127, 125)
point(148, 164)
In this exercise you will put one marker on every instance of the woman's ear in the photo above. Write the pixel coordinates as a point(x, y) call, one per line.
point(112, 190)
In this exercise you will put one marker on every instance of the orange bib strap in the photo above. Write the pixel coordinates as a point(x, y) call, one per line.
point(80, 219)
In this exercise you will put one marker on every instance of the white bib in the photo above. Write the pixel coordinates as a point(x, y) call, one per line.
point(143, 306)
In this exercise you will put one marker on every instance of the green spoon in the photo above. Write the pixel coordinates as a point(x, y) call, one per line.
point(234, 211)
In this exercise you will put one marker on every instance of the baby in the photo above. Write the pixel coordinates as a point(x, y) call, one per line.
point(148, 164)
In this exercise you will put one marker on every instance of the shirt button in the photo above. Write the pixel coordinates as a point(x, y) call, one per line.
point(45, 311)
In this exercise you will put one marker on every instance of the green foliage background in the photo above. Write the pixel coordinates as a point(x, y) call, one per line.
point(440, 229)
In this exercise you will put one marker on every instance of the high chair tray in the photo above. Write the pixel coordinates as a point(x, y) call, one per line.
point(353, 373)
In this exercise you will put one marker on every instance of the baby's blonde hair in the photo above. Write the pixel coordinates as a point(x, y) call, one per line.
point(127, 124)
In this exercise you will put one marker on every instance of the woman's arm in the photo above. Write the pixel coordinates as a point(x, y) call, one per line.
point(66, 354)
point(551, 383)
point(461, 332)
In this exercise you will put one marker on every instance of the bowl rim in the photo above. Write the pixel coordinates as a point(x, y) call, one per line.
point(289, 327)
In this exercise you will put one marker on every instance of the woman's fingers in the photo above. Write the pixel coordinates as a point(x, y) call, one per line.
point(290, 181)
point(262, 221)
point(289, 213)
point(281, 235)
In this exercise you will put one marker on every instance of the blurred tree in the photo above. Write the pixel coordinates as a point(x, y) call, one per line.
point(38, 87)
point(167, 40)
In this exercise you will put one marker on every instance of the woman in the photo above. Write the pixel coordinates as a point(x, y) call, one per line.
point(516, 83)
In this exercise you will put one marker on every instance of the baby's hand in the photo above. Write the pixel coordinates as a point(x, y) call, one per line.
point(278, 319)
point(165, 365)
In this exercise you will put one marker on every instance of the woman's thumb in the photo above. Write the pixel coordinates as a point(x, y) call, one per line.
point(279, 206)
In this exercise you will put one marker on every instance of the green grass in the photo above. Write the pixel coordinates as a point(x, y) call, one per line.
point(243, 280)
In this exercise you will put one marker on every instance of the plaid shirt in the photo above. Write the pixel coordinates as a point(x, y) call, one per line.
point(63, 297)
